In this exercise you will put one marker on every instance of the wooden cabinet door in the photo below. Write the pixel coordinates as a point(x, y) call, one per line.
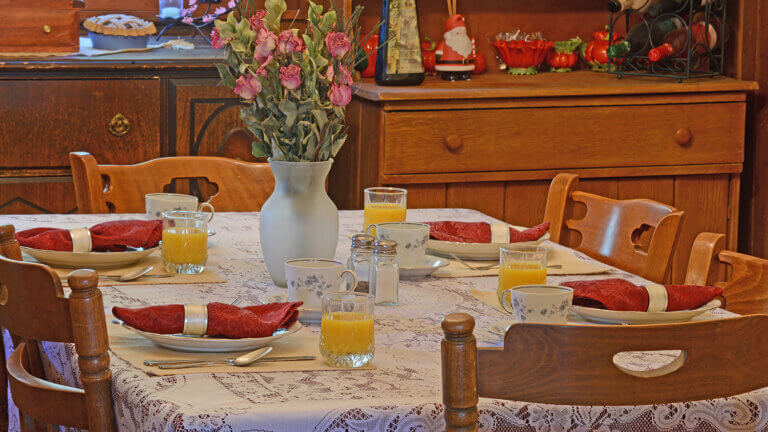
point(41, 121)
point(37, 195)
point(205, 120)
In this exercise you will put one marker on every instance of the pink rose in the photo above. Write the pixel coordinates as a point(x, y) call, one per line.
point(290, 76)
point(342, 77)
point(262, 70)
point(265, 45)
point(340, 95)
point(216, 40)
point(338, 44)
point(248, 86)
point(288, 43)
point(257, 19)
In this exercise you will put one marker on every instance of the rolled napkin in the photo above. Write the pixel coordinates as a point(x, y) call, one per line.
point(223, 320)
point(105, 237)
point(622, 295)
point(482, 232)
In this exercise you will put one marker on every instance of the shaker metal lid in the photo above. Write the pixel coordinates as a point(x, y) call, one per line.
point(385, 246)
point(363, 241)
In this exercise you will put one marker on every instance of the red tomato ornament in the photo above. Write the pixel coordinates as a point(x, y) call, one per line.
point(564, 55)
point(428, 56)
point(480, 64)
point(371, 47)
point(595, 52)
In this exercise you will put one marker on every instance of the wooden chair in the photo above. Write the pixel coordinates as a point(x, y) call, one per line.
point(746, 290)
point(637, 236)
point(242, 186)
point(33, 308)
point(573, 364)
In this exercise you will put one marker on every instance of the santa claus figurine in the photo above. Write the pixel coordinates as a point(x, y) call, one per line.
point(455, 54)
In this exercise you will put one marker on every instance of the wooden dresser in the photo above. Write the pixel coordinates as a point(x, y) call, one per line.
point(494, 144)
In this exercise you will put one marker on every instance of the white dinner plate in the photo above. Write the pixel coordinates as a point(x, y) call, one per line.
point(431, 264)
point(210, 344)
point(92, 260)
point(307, 315)
point(605, 316)
point(476, 251)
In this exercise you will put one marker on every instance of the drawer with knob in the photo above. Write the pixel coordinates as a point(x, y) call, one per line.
point(118, 121)
point(562, 137)
point(49, 26)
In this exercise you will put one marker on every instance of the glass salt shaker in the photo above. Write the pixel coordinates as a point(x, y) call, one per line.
point(360, 260)
point(385, 274)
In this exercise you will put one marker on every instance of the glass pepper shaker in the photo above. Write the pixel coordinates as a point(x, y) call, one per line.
point(360, 260)
point(385, 274)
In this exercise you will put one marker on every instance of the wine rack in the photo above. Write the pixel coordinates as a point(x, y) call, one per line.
point(700, 52)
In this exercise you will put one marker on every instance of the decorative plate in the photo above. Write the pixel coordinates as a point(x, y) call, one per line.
point(431, 264)
point(92, 260)
point(605, 316)
point(210, 344)
point(476, 251)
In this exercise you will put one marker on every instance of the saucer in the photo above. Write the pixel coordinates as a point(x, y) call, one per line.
point(431, 264)
point(306, 315)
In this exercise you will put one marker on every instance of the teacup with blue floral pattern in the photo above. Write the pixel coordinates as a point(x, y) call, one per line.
point(538, 303)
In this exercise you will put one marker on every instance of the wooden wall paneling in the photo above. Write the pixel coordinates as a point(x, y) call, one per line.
point(484, 197)
point(425, 195)
point(524, 202)
point(24, 195)
point(703, 199)
point(365, 168)
point(344, 179)
point(71, 115)
point(661, 189)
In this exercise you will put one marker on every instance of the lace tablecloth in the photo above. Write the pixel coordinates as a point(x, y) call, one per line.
point(403, 393)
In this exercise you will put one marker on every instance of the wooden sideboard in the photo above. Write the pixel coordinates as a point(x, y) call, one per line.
point(123, 109)
point(494, 143)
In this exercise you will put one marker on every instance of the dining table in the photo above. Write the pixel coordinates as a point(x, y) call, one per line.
point(402, 392)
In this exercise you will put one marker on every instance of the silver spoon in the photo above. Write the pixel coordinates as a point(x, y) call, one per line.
point(243, 360)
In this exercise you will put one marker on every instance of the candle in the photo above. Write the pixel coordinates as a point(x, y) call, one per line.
point(170, 12)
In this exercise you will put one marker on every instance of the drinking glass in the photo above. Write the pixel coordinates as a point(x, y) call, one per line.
point(521, 265)
point(383, 204)
point(185, 241)
point(346, 329)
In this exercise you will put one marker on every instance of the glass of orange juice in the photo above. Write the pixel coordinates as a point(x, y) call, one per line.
point(383, 204)
point(185, 241)
point(521, 265)
point(346, 329)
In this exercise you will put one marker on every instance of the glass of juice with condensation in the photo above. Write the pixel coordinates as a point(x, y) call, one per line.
point(521, 265)
point(185, 241)
point(383, 204)
point(346, 329)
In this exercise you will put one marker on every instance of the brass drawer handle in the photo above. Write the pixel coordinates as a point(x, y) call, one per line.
point(683, 136)
point(46, 29)
point(453, 143)
point(119, 125)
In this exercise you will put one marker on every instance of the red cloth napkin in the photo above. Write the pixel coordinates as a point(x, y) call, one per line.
point(224, 320)
point(480, 232)
point(622, 295)
point(105, 237)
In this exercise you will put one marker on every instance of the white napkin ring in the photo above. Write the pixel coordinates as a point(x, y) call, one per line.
point(195, 320)
point(81, 240)
point(657, 297)
point(499, 232)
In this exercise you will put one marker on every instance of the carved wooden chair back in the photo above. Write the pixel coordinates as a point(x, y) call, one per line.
point(29, 291)
point(746, 290)
point(550, 364)
point(637, 235)
point(242, 186)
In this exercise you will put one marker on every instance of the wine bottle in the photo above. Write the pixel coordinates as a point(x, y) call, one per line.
point(664, 6)
point(399, 61)
point(637, 40)
point(675, 42)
